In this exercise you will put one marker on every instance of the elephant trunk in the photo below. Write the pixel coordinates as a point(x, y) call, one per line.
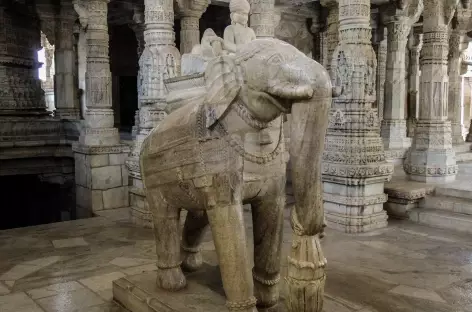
point(306, 275)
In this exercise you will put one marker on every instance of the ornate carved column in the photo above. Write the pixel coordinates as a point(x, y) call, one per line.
point(456, 49)
point(190, 12)
point(354, 167)
point(65, 78)
point(100, 175)
point(332, 31)
point(380, 48)
point(399, 17)
point(431, 157)
point(138, 27)
point(292, 28)
point(48, 84)
point(160, 60)
point(261, 18)
point(415, 43)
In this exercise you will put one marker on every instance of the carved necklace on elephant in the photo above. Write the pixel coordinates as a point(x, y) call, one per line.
point(238, 145)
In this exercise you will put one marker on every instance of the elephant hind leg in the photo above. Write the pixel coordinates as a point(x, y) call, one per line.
point(267, 216)
point(227, 226)
point(195, 227)
point(166, 232)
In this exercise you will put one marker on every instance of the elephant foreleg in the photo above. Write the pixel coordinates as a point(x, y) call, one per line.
point(227, 225)
point(267, 216)
point(195, 227)
point(166, 232)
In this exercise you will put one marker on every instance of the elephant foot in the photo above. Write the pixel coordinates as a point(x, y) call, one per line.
point(242, 306)
point(267, 293)
point(192, 261)
point(171, 279)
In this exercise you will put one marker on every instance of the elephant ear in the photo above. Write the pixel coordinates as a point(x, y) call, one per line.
point(223, 81)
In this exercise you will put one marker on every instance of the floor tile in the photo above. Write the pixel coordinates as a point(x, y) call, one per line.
point(70, 301)
point(18, 271)
point(140, 269)
point(419, 293)
point(130, 262)
point(101, 282)
point(43, 262)
point(69, 242)
point(4, 289)
point(18, 302)
point(53, 290)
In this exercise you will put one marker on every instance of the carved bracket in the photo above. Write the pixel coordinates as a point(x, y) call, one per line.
point(83, 13)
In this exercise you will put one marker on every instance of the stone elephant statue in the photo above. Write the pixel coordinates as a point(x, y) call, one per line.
point(210, 158)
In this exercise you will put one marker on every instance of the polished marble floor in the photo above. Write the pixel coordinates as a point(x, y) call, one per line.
point(69, 266)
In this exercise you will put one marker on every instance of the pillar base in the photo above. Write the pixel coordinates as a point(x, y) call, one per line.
point(457, 138)
point(358, 210)
point(99, 137)
point(395, 156)
point(431, 158)
point(67, 113)
point(393, 133)
point(101, 177)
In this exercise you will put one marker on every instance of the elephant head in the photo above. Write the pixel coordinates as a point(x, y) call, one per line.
point(272, 77)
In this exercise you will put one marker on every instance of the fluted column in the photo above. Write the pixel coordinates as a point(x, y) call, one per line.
point(431, 157)
point(456, 50)
point(261, 18)
point(190, 12)
point(100, 174)
point(399, 18)
point(160, 60)
point(354, 167)
point(65, 78)
point(415, 42)
point(332, 31)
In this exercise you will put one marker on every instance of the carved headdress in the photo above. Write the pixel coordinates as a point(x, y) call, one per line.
point(239, 6)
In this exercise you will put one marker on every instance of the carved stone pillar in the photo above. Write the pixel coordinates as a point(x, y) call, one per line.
point(261, 18)
point(65, 78)
point(101, 177)
point(456, 50)
point(431, 157)
point(332, 31)
point(190, 12)
point(354, 167)
point(292, 28)
point(138, 28)
point(381, 72)
point(160, 60)
point(315, 29)
point(48, 84)
point(399, 20)
point(415, 43)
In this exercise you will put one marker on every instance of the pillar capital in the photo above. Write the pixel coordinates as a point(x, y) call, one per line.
point(192, 8)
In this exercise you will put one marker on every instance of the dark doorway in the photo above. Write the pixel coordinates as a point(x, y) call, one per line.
point(28, 201)
point(128, 102)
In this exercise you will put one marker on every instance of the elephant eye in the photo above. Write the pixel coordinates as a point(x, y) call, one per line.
point(276, 59)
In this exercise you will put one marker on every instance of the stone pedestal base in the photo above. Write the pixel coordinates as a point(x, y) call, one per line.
point(204, 292)
point(140, 213)
point(101, 178)
point(353, 208)
point(404, 196)
point(431, 158)
point(395, 156)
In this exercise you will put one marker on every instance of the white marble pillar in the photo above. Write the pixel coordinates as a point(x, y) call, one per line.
point(332, 31)
point(48, 84)
point(354, 167)
point(65, 78)
point(160, 60)
point(415, 43)
point(261, 18)
point(431, 158)
point(381, 72)
point(399, 19)
point(100, 174)
point(457, 46)
point(190, 12)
